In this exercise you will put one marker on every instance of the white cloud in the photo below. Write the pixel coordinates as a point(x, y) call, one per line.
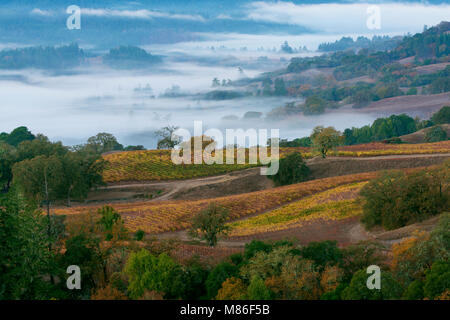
point(335, 18)
point(224, 17)
point(139, 14)
point(40, 12)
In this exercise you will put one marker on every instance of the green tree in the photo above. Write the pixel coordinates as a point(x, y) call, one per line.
point(440, 85)
point(139, 235)
point(103, 142)
point(442, 116)
point(17, 136)
point(257, 290)
point(325, 139)
point(155, 273)
point(167, 138)
point(41, 146)
point(292, 169)
point(256, 246)
point(436, 134)
point(209, 224)
point(322, 253)
point(280, 87)
point(24, 255)
point(217, 276)
point(82, 171)
point(414, 291)
point(193, 279)
point(109, 218)
point(314, 105)
point(362, 98)
point(394, 199)
point(39, 179)
point(357, 290)
point(83, 249)
point(215, 83)
point(8, 157)
point(267, 87)
point(359, 256)
point(413, 257)
point(411, 91)
point(437, 279)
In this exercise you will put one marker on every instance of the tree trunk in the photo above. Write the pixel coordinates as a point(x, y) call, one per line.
point(68, 196)
point(49, 226)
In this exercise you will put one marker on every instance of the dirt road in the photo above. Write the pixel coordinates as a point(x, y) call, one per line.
point(250, 180)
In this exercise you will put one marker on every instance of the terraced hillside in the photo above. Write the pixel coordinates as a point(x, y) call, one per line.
point(163, 216)
point(156, 165)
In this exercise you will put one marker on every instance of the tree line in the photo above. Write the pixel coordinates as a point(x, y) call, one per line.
point(385, 129)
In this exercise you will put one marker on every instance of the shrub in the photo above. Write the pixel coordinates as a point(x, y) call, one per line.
point(139, 235)
point(109, 217)
point(412, 91)
point(394, 199)
point(436, 134)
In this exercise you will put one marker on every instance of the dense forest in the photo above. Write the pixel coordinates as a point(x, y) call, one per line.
point(387, 130)
point(71, 56)
point(380, 75)
point(62, 57)
point(377, 43)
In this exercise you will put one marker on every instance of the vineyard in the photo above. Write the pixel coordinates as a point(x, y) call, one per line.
point(333, 204)
point(375, 149)
point(156, 165)
point(164, 216)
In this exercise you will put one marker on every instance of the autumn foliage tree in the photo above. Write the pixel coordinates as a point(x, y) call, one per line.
point(232, 289)
point(325, 139)
point(209, 224)
point(395, 199)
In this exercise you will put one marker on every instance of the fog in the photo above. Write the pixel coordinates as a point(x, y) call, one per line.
point(72, 107)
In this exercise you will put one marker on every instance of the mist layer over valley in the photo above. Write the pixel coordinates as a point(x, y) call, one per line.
point(131, 104)
point(208, 63)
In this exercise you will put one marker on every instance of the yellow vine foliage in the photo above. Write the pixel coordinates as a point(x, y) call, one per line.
point(163, 216)
point(156, 165)
point(334, 204)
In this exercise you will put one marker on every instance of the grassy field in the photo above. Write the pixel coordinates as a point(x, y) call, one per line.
point(156, 165)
